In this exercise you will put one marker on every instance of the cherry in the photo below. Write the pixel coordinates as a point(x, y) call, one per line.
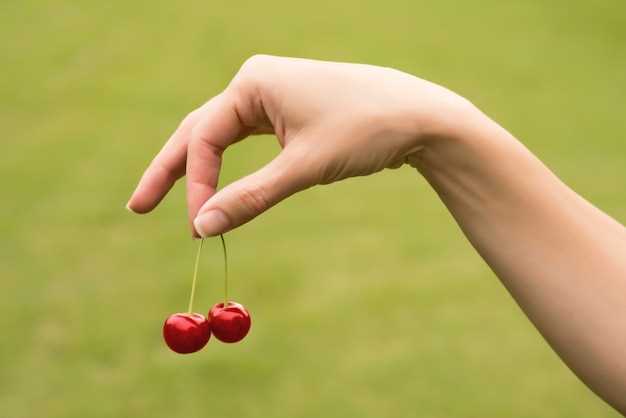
point(186, 333)
point(229, 324)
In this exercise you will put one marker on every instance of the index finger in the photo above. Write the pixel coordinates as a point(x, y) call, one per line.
point(217, 129)
point(220, 126)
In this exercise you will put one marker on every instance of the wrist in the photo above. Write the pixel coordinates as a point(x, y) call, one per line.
point(447, 135)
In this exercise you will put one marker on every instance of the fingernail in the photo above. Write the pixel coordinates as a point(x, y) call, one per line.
point(211, 223)
point(128, 208)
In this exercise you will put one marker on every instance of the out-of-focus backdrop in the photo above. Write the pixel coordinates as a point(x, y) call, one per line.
point(367, 300)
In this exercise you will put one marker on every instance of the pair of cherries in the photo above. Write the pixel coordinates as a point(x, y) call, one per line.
point(187, 333)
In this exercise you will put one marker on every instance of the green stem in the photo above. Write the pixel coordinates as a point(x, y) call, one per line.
point(225, 270)
point(195, 276)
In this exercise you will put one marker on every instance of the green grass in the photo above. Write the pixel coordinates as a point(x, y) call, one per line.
point(367, 301)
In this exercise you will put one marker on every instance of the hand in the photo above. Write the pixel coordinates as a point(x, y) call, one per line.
point(332, 120)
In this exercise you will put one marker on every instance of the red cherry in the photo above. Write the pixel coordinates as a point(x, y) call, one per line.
point(231, 323)
point(186, 332)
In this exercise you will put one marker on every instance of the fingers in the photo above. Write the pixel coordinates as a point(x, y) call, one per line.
point(196, 148)
point(247, 198)
point(217, 129)
point(167, 167)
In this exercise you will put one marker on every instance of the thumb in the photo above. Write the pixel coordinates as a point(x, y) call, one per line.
point(245, 199)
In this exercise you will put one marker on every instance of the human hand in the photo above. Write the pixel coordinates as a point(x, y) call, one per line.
point(332, 120)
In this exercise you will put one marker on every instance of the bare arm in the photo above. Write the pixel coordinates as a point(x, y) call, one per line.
point(563, 260)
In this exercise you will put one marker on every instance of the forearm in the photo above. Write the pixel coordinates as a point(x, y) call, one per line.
point(563, 260)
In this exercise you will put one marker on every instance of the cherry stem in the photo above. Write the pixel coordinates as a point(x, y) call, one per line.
point(195, 276)
point(225, 270)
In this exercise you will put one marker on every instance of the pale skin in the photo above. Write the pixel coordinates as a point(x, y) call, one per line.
point(562, 259)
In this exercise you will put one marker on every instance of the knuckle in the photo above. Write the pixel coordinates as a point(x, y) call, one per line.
point(188, 121)
point(200, 141)
point(254, 199)
point(199, 137)
point(250, 72)
point(255, 61)
point(169, 172)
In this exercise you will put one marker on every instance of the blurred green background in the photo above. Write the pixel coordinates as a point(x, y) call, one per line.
point(367, 301)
